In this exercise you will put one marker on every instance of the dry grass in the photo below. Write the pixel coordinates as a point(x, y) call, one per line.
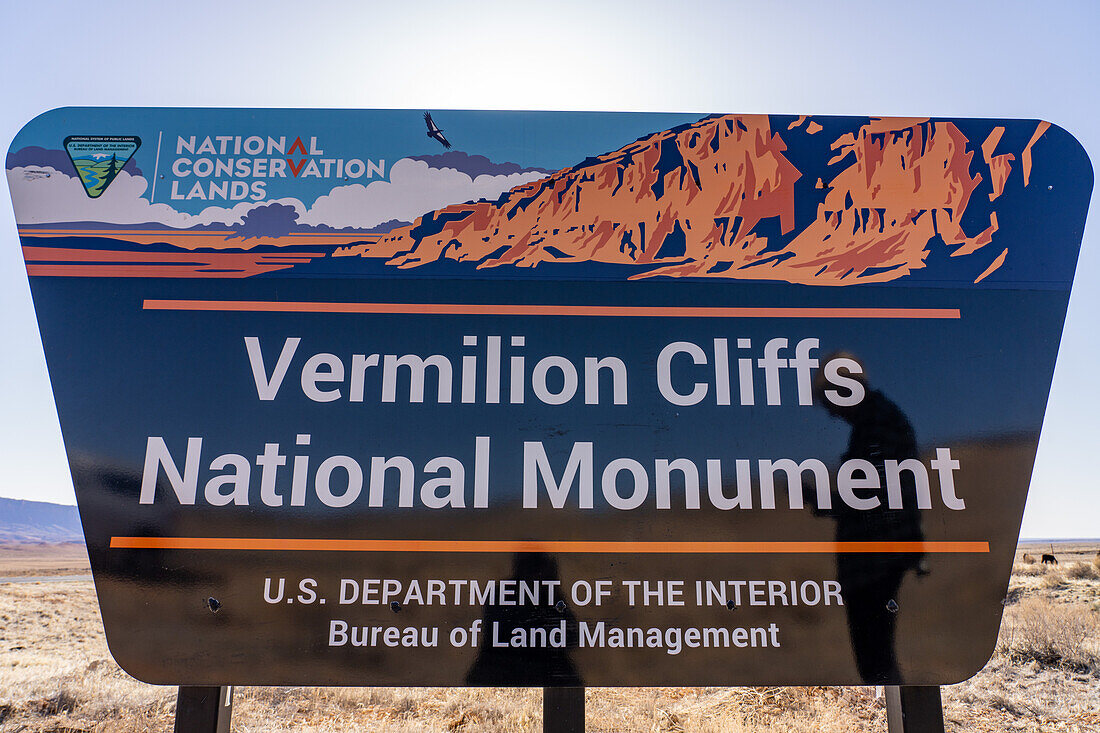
point(1029, 569)
point(735, 709)
point(57, 675)
point(1055, 580)
point(1083, 571)
point(1052, 634)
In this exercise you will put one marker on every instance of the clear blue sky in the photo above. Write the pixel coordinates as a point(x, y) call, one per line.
point(987, 59)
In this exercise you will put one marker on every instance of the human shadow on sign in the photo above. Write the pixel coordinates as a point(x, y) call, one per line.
point(880, 432)
point(550, 628)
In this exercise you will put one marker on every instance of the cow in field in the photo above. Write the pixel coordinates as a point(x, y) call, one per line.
point(1049, 559)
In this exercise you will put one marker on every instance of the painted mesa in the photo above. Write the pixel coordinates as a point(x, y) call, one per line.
point(667, 200)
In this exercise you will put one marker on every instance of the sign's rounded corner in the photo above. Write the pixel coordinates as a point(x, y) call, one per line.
point(1054, 127)
point(32, 122)
point(136, 667)
point(971, 671)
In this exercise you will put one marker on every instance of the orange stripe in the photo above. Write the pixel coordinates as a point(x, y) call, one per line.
point(130, 232)
point(42, 255)
point(183, 232)
point(165, 270)
point(559, 546)
point(478, 309)
point(92, 270)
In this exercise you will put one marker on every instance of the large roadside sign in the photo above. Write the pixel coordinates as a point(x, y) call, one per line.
point(523, 398)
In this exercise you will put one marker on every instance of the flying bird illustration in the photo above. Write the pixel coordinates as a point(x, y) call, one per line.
point(434, 132)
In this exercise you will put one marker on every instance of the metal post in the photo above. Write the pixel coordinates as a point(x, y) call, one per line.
point(563, 710)
point(204, 709)
point(911, 709)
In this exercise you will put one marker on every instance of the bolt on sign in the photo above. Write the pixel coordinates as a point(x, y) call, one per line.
point(548, 398)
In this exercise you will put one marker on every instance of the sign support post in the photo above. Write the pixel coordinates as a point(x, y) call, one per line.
point(563, 710)
point(204, 709)
point(913, 709)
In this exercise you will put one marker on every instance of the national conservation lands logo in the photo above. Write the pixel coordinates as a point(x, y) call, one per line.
point(99, 158)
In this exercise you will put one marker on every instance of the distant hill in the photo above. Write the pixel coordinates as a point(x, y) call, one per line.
point(38, 521)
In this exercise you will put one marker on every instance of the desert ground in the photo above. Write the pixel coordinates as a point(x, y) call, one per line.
point(56, 673)
point(18, 560)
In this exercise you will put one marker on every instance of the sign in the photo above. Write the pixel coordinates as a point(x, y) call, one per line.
point(502, 398)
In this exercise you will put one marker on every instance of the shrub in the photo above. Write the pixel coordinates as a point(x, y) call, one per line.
point(1052, 634)
point(1054, 581)
point(1083, 571)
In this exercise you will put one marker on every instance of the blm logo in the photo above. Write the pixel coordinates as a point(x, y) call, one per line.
point(99, 158)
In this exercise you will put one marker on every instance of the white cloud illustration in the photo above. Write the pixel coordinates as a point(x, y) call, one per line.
point(58, 197)
point(413, 188)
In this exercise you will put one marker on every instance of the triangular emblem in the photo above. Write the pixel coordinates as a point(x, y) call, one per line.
point(99, 158)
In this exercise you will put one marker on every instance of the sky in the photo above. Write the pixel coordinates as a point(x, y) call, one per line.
point(987, 59)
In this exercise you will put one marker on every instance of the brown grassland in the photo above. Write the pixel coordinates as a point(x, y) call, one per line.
point(67, 558)
point(57, 675)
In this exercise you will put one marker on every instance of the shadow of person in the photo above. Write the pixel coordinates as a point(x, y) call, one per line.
point(880, 432)
point(543, 664)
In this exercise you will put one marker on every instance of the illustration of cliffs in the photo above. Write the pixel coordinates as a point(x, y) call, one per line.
point(726, 197)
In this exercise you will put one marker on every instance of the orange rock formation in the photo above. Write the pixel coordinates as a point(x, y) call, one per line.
point(688, 201)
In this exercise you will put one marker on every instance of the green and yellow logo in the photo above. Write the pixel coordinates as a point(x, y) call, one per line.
point(99, 158)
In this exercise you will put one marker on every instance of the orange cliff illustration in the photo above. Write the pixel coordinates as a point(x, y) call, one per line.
point(717, 198)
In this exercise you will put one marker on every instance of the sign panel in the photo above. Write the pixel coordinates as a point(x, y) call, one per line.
point(396, 398)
